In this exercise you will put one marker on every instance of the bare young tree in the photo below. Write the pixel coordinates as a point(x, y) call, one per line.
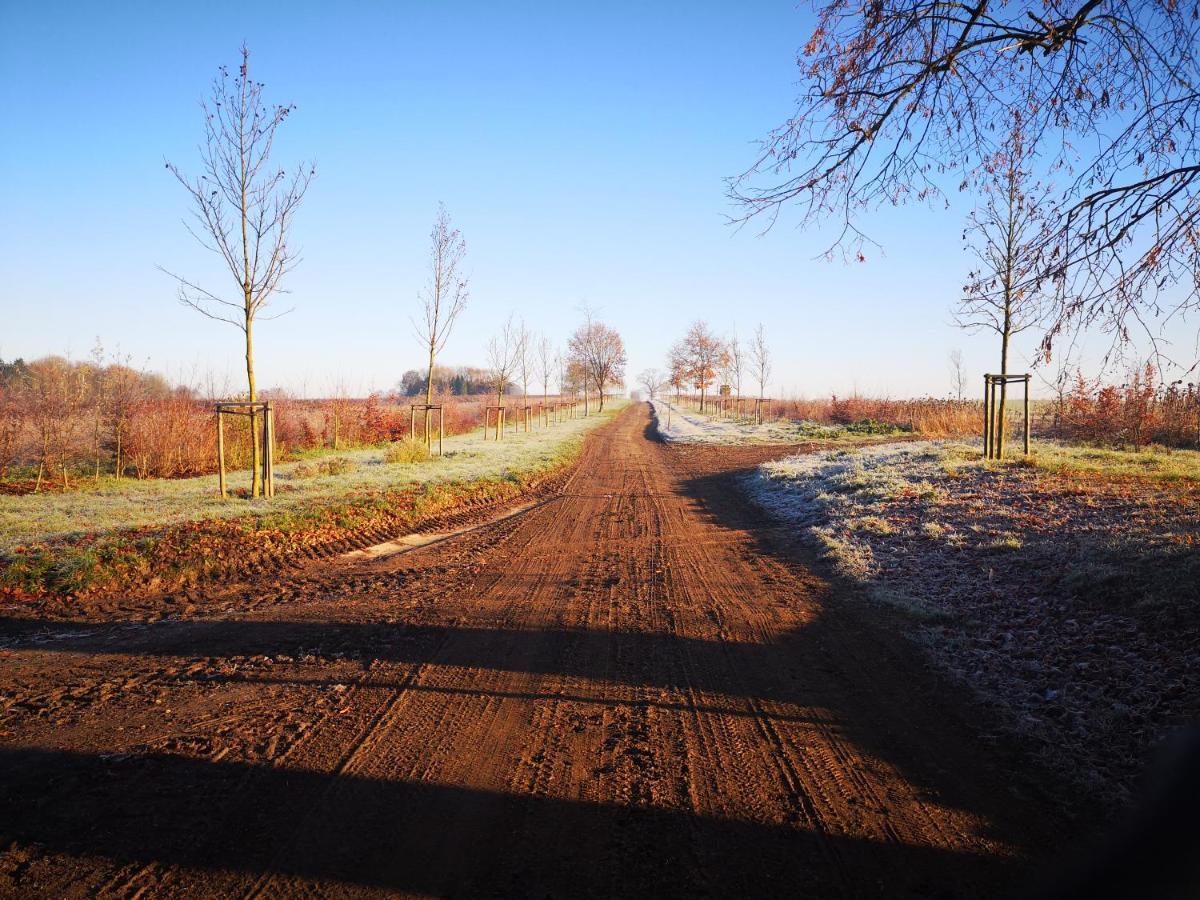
point(737, 364)
point(546, 365)
point(560, 363)
point(126, 388)
point(898, 99)
point(339, 411)
point(1058, 379)
point(243, 207)
point(444, 297)
point(653, 381)
point(57, 389)
point(502, 351)
point(958, 375)
point(98, 389)
point(524, 364)
point(760, 359)
point(677, 368)
point(600, 353)
point(1003, 232)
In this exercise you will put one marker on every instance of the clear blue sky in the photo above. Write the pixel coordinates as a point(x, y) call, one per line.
point(580, 150)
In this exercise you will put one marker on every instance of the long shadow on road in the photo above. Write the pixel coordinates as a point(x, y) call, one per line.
point(170, 809)
point(428, 838)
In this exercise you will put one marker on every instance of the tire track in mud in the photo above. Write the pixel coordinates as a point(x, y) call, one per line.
point(441, 710)
point(623, 690)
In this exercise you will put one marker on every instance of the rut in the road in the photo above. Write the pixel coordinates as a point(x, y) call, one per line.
point(624, 690)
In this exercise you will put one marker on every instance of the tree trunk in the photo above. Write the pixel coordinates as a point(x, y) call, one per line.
point(429, 385)
point(1000, 427)
point(499, 413)
point(42, 460)
point(256, 485)
point(96, 442)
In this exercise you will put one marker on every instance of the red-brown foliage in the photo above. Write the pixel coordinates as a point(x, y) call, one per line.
point(65, 419)
point(1133, 414)
point(928, 415)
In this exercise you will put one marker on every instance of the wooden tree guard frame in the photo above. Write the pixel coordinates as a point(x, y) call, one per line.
point(487, 413)
point(267, 461)
point(427, 408)
point(993, 447)
point(526, 414)
point(760, 405)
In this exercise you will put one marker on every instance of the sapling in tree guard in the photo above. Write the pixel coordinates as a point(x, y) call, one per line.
point(242, 209)
point(1004, 234)
point(444, 297)
point(502, 350)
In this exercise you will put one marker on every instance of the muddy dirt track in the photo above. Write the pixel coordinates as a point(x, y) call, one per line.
point(631, 689)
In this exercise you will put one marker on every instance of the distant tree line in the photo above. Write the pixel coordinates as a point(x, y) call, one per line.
point(456, 381)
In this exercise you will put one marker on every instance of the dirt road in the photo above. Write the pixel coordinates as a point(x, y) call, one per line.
point(630, 689)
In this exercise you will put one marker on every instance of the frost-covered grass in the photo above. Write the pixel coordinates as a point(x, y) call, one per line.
point(1062, 588)
point(843, 483)
point(690, 427)
point(133, 504)
point(838, 497)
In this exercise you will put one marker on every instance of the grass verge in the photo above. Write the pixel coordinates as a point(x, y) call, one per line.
point(1063, 588)
point(337, 509)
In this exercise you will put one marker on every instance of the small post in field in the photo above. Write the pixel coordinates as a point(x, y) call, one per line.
point(221, 454)
point(1027, 377)
point(987, 417)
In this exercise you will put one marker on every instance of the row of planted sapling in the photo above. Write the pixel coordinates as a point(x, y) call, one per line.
point(593, 365)
point(240, 191)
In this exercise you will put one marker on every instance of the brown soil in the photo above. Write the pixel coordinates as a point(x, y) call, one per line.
point(633, 688)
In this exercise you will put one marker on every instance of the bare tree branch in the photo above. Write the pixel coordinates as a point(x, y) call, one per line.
point(899, 101)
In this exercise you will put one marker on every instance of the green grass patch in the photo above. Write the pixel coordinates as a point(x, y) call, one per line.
point(1153, 463)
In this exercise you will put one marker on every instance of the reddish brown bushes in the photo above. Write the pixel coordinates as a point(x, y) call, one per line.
point(60, 420)
point(928, 415)
point(1133, 414)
